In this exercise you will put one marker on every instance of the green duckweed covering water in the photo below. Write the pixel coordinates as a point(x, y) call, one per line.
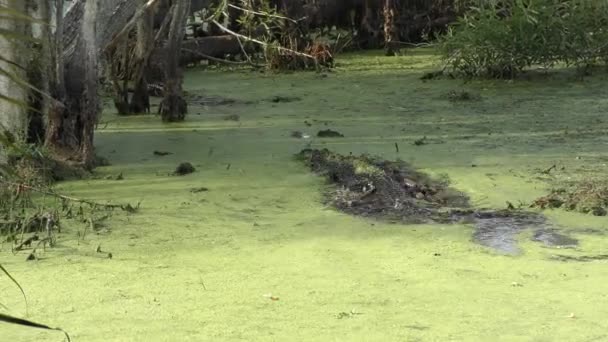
point(258, 257)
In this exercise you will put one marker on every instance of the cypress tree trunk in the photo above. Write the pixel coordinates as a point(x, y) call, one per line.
point(70, 129)
point(89, 105)
point(173, 107)
point(40, 69)
point(13, 97)
point(391, 33)
point(140, 101)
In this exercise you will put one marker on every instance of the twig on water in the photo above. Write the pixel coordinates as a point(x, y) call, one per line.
point(126, 207)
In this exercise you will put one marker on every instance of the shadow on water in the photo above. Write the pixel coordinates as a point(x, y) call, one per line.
point(499, 230)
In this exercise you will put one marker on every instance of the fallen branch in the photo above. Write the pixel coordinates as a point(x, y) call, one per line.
point(164, 26)
point(244, 51)
point(238, 35)
point(266, 14)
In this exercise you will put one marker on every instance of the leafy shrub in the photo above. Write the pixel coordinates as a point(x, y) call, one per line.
point(501, 39)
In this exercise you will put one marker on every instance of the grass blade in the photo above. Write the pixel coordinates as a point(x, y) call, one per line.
point(18, 285)
point(26, 323)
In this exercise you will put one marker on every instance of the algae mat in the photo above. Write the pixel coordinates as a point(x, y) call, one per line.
point(257, 257)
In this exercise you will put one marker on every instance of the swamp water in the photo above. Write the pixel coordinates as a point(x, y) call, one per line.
point(258, 257)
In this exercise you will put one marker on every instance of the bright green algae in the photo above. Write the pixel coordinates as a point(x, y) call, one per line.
point(202, 266)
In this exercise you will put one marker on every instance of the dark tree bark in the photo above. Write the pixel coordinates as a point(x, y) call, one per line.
point(83, 33)
point(90, 101)
point(370, 30)
point(173, 107)
point(119, 60)
point(39, 68)
point(194, 51)
point(391, 31)
point(140, 101)
point(70, 130)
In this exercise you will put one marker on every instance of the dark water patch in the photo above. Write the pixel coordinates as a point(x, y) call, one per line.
point(551, 238)
point(581, 258)
point(499, 231)
point(589, 231)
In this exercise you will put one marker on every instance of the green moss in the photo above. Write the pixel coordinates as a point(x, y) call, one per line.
point(198, 266)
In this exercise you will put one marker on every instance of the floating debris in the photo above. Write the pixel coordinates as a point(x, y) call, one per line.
point(590, 197)
point(328, 133)
point(183, 169)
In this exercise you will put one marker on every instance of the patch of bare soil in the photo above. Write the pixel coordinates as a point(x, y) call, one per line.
point(394, 190)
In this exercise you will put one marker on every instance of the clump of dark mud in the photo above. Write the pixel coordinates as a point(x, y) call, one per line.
point(582, 258)
point(184, 169)
point(587, 197)
point(369, 186)
point(161, 153)
point(394, 190)
point(284, 99)
point(328, 133)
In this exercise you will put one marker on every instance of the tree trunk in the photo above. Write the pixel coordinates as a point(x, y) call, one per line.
point(55, 115)
point(140, 101)
point(391, 31)
point(13, 97)
point(173, 107)
point(40, 68)
point(90, 103)
point(370, 33)
point(70, 130)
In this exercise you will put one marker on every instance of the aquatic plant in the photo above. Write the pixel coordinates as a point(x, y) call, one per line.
point(501, 39)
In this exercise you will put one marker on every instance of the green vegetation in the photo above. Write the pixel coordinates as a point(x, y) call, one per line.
point(259, 257)
point(501, 40)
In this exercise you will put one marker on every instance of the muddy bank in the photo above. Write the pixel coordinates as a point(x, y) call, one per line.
point(393, 190)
